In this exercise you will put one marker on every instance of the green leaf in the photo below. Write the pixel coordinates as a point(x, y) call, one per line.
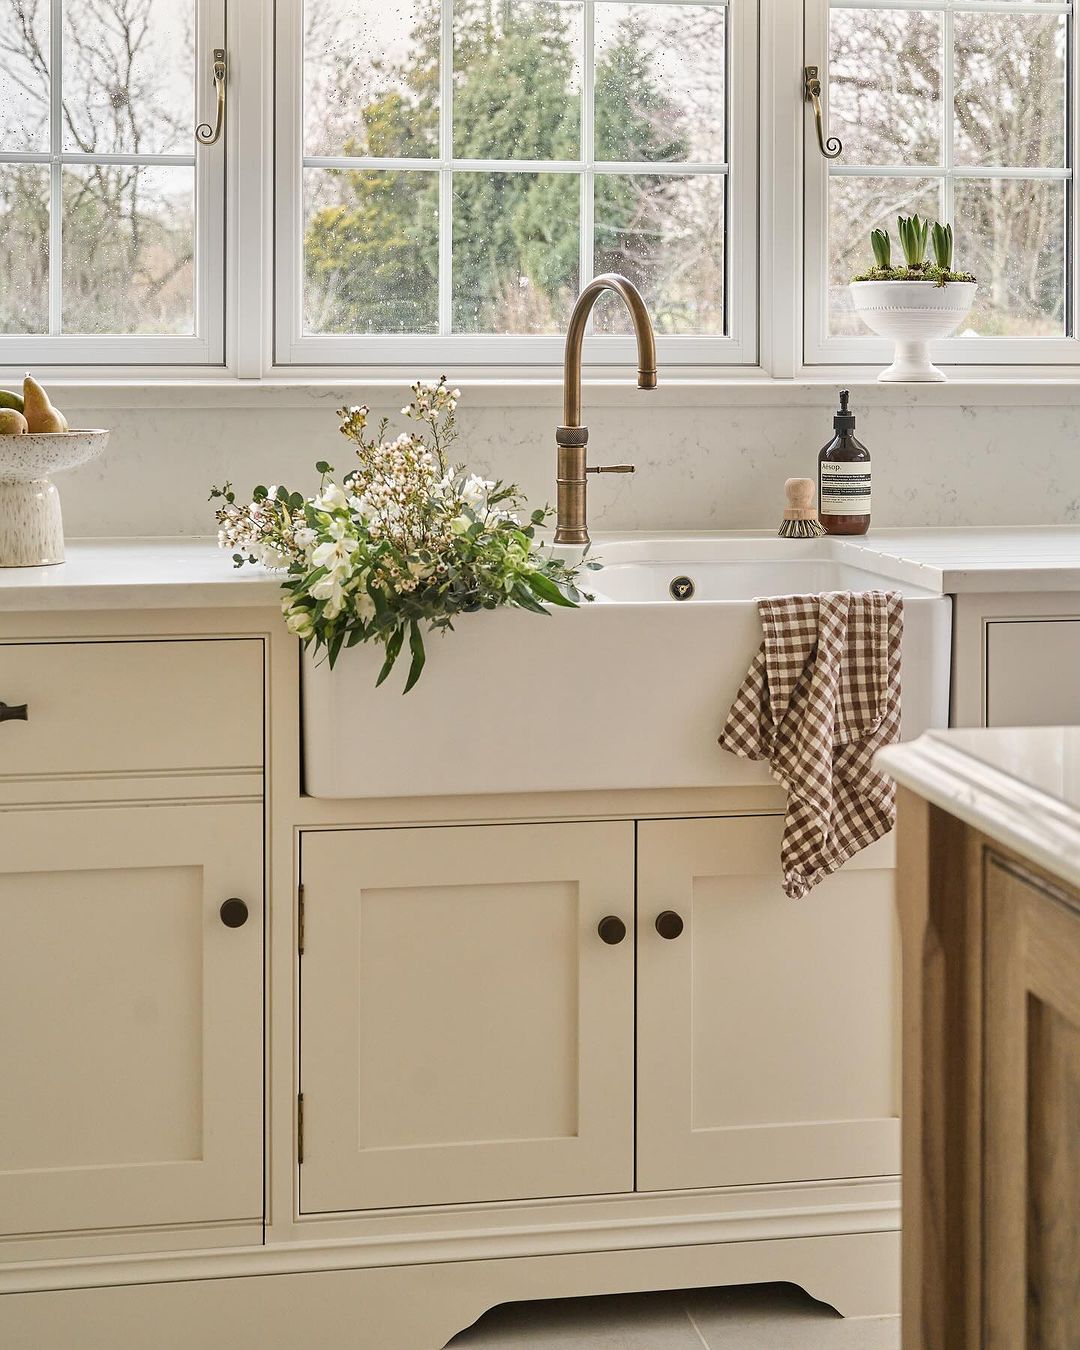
point(521, 595)
point(419, 656)
point(322, 467)
point(546, 589)
point(393, 646)
point(334, 646)
point(259, 494)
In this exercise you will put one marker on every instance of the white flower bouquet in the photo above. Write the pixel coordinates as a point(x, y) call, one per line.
point(405, 540)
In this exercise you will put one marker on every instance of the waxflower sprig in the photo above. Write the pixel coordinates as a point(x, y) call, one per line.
point(401, 544)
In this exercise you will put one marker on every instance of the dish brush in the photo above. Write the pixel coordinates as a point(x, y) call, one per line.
point(800, 518)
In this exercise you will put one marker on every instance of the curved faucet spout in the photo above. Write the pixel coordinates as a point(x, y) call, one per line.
point(572, 437)
point(575, 338)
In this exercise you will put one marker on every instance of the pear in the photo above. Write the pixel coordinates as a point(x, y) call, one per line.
point(39, 412)
point(12, 422)
point(10, 400)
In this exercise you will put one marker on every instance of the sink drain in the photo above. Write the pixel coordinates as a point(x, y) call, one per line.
point(682, 588)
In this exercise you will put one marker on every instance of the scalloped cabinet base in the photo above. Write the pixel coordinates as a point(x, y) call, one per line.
point(423, 1307)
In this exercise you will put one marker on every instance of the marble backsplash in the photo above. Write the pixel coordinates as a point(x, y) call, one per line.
point(699, 466)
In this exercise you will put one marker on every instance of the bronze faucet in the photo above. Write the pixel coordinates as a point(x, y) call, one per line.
point(572, 438)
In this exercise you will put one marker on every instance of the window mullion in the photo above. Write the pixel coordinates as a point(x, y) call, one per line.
point(446, 177)
point(587, 212)
point(56, 171)
point(948, 130)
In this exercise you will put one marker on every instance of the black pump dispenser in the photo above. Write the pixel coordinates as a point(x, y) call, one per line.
point(844, 477)
point(845, 418)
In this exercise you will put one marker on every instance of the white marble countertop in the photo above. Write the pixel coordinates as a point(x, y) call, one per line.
point(166, 573)
point(1020, 786)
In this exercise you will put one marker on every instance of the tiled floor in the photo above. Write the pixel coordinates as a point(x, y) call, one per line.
point(761, 1317)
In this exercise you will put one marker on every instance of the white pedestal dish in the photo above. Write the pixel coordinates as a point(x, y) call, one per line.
point(912, 314)
point(31, 525)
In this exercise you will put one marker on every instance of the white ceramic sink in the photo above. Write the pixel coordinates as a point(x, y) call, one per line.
point(655, 571)
point(630, 691)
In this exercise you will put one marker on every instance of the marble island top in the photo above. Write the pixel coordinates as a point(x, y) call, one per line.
point(1020, 786)
point(151, 573)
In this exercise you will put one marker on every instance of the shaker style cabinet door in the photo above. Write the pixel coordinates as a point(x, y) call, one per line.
point(467, 1017)
point(131, 1060)
point(1031, 668)
point(1031, 1113)
point(768, 1028)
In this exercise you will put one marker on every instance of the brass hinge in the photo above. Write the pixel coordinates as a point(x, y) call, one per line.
point(300, 919)
point(299, 1128)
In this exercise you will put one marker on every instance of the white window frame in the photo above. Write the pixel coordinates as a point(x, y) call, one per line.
point(466, 350)
point(206, 346)
point(821, 349)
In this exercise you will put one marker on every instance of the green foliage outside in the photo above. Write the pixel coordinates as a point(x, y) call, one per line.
point(372, 257)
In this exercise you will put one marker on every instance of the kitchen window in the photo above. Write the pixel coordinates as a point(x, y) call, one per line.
point(451, 172)
point(111, 217)
point(408, 185)
point(961, 112)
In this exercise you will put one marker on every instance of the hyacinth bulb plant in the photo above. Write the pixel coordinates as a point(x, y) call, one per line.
point(400, 544)
point(921, 301)
point(916, 234)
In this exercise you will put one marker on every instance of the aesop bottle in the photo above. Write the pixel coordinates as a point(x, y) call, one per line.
point(844, 477)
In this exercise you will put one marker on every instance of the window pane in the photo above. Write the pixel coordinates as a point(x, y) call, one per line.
point(24, 248)
point(666, 233)
point(371, 77)
point(660, 84)
point(371, 251)
point(1011, 234)
point(24, 78)
point(129, 77)
point(885, 85)
point(857, 206)
point(1010, 89)
point(516, 251)
point(128, 250)
point(517, 79)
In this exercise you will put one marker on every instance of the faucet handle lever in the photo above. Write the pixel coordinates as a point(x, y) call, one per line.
point(611, 468)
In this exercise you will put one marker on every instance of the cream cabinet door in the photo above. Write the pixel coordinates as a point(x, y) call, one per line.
point(131, 1059)
point(1031, 672)
point(466, 1034)
point(768, 1032)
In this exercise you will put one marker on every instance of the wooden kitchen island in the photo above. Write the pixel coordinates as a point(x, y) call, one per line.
point(989, 840)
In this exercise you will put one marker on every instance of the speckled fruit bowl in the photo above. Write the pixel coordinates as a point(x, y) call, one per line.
point(31, 526)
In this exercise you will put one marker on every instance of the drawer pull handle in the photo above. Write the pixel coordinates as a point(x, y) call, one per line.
point(14, 713)
point(234, 913)
point(612, 930)
point(669, 924)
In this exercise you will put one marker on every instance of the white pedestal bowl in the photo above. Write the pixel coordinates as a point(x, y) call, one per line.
point(31, 526)
point(911, 314)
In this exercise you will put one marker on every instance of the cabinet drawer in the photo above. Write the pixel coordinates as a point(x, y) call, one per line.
point(132, 706)
point(1031, 668)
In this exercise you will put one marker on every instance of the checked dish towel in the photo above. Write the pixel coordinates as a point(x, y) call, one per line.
point(822, 696)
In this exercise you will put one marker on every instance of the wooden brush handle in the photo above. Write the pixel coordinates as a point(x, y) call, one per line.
point(800, 499)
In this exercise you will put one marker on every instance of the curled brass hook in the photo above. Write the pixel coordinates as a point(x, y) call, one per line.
point(204, 132)
point(832, 146)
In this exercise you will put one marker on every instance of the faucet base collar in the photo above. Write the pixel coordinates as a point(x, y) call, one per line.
point(572, 436)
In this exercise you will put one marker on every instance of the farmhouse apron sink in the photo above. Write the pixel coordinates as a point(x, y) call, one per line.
point(629, 691)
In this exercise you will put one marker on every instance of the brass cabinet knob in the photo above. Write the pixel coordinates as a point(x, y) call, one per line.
point(669, 924)
point(612, 930)
point(234, 913)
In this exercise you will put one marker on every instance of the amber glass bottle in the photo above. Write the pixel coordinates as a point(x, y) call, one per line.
point(844, 477)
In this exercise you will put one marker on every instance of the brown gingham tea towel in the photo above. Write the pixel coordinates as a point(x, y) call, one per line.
point(822, 696)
